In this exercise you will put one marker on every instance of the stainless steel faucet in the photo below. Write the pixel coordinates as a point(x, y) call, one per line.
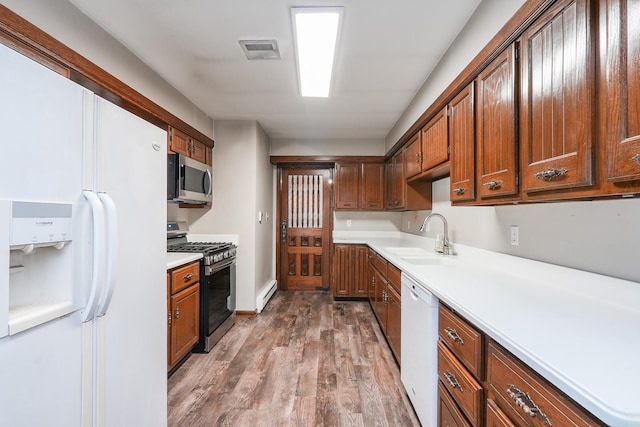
point(446, 246)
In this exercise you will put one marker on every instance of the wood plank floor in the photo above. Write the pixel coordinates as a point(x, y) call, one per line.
point(304, 361)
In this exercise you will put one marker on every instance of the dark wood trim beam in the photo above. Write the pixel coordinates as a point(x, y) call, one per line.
point(317, 160)
point(16, 31)
point(523, 18)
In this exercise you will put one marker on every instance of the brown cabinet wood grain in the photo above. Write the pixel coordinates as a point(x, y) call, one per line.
point(526, 398)
point(462, 142)
point(396, 186)
point(394, 315)
point(199, 151)
point(372, 186)
point(556, 99)
point(449, 414)
point(183, 316)
point(180, 142)
point(495, 417)
point(463, 340)
point(360, 186)
point(496, 155)
point(347, 185)
point(412, 153)
point(351, 277)
point(619, 84)
point(185, 308)
point(435, 141)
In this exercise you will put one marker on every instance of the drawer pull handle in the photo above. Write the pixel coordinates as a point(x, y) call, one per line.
point(636, 159)
point(453, 334)
point(550, 174)
point(493, 185)
point(459, 191)
point(451, 379)
point(524, 401)
point(188, 277)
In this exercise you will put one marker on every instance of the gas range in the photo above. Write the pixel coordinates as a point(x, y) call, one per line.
point(212, 252)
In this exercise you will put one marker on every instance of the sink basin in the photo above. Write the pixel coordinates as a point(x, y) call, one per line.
point(428, 260)
point(408, 251)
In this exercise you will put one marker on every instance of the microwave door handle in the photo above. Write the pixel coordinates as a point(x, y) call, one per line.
point(210, 182)
point(98, 245)
point(112, 247)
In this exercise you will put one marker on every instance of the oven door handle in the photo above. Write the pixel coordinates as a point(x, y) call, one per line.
point(222, 265)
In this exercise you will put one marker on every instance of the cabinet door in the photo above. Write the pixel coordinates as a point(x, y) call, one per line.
point(179, 142)
point(347, 185)
point(412, 156)
point(343, 270)
point(169, 320)
point(378, 305)
point(556, 99)
point(435, 141)
point(449, 414)
point(462, 142)
point(620, 87)
point(198, 151)
point(372, 186)
point(496, 129)
point(185, 308)
point(398, 180)
point(393, 321)
point(361, 272)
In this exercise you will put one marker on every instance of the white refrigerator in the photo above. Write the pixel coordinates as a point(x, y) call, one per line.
point(82, 256)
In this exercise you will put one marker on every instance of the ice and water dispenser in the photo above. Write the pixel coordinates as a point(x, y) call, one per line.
point(36, 264)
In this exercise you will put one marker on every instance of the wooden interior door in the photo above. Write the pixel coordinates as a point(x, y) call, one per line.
point(305, 229)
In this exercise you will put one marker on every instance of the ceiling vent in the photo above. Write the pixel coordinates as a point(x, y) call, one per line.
point(260, 49)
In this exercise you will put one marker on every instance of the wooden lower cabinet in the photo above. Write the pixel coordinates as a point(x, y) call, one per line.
point(351, 271)
point(384, 297)
point(495, 417)
point(449, 414)
point(183, 316)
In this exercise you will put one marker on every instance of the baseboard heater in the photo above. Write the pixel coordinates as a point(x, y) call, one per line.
point(266, 295)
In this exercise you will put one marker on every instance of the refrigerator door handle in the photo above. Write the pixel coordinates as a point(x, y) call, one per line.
point(98, 245)
point(112, 246)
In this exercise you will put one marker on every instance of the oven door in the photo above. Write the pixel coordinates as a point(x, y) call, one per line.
point(217, 301)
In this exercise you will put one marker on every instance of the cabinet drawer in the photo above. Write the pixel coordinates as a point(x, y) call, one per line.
point(495, 417)
point(448, 413)
point(183, 277)
point(381, 264)
point(462, 339)
point(526, 397)
point(393, 277)
point(464, 389)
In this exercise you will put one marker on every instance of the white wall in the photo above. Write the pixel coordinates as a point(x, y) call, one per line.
point(366, 221)
point(243, 186)
point(599, 236)
point(484, 24)
point(63, 21)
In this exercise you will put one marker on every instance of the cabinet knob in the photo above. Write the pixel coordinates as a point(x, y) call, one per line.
point(636, 159)
point(451, 379)
point(188, 277)
point(493, 185)
point(453, 334)
point(550, 174)
point(459, 191)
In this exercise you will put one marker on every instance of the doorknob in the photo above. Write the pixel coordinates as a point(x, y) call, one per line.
point(283, 231)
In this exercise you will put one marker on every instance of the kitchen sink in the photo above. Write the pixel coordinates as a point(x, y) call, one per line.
point(409, 251)
point(428, 260)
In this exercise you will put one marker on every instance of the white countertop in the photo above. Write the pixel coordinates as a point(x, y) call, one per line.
point(176, 259)
point(579, 330)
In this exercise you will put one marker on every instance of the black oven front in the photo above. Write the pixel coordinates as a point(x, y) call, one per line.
point(217, 301)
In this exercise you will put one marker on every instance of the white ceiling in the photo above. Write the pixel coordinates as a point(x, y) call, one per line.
point(386, 51)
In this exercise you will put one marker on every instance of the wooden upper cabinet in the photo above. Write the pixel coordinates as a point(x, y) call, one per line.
point(620, 88)
point(462, 142)
point(435, 141)
point(496, 128)
point(347, 185)
point(412, 153)
point(556, 99)
point(396, 187)
point(180, 142)
point(360, 186)
point(372, 186)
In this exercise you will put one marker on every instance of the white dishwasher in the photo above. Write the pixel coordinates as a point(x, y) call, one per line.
point(419, 350)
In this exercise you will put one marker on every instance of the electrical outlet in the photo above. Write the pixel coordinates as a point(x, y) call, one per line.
point(515, 235)
point(348, 223)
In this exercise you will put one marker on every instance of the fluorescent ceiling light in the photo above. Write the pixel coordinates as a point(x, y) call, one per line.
point(316, 35)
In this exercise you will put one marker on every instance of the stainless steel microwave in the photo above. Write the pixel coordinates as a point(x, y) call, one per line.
point(188, 180)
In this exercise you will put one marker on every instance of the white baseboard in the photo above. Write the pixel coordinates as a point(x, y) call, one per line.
point(265, 295)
